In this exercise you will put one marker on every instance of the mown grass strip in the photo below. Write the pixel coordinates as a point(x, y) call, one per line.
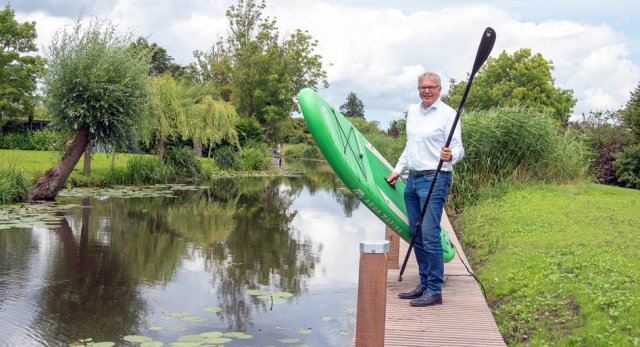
point(560, 263)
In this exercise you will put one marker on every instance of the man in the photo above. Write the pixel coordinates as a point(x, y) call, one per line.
point(428, 126)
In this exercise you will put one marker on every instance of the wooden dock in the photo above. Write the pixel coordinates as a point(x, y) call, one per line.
point(464, 319)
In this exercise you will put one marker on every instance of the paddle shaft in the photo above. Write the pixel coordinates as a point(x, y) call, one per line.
point(486, 44)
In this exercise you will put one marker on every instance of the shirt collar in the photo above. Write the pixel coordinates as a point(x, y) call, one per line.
point(436, 105)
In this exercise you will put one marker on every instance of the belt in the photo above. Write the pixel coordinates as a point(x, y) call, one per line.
point(425, 172)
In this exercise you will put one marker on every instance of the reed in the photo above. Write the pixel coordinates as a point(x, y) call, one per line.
point(14, 185)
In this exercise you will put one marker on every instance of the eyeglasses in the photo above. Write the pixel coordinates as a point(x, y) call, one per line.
point(431, 88)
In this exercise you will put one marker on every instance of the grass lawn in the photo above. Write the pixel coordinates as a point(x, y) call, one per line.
point(560, 263)
point(35, 163)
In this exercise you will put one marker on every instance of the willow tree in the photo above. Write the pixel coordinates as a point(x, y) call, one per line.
point(212, 121)
point(95, 87)
point(166, 112)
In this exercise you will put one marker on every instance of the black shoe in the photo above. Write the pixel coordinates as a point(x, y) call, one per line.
point(414, 294)
point(427, 300)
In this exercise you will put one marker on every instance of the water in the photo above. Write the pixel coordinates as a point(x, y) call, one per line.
point(162, 266)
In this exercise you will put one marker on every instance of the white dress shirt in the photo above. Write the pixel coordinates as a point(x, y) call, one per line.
point(427, 132)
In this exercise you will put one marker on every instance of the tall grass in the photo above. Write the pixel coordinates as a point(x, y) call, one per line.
point(513, 144)
point(141, 170)
point(253, 158)
point(14, 185)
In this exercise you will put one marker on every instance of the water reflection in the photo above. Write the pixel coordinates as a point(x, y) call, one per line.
point(116, 267)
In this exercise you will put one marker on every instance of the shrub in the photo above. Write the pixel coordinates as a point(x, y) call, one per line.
point(225, 157)
point(183, 162)
point(43, 140)
point(14, 185)
point(303, 151)
point(253, 159)
point(627, 167)
point(602, 166)
point(249, 130)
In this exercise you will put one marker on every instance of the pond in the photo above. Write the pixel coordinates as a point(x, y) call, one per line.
point(242, 262)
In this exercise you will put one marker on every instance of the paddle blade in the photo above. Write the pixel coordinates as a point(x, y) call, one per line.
point(484, 49)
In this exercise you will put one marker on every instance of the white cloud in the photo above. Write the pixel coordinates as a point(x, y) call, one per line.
point(377, 51)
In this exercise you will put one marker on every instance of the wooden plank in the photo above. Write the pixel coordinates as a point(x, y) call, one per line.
point(464, 318)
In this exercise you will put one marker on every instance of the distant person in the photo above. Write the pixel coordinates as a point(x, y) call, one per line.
point(428, 126)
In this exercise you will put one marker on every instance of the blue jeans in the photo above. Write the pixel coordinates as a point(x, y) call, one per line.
point(428, 246)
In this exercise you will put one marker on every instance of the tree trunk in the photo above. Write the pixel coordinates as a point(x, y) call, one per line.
point(209, 154)
point(197, 149)
point(86, 169)
point(113, 157)
point(53, 179)
point(160, 148)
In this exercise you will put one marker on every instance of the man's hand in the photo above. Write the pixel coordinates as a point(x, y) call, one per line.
point(392, 178)
point(445, 154)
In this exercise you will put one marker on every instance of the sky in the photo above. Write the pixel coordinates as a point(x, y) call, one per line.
point(377, 48)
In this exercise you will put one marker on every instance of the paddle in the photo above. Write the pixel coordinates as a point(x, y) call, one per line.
point(484, 49)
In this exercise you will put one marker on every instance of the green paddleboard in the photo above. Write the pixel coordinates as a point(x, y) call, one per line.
point(360, 166)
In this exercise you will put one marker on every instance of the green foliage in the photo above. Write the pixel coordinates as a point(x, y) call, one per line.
point(605, 135)
point(258, 70)
point(520, 79)
point(161, 61)
point(627, 167)
point(40, 140)
point(183, 163)
point(19, 67)
point(226, 157)
point(166, 117)
point(141, 170)
point(14, 185)
point(297, 131)
point(631, 113)
point(249, 130)
point(397, 128)
point(253, 158)
point(353, 107)
point(303, 151)
point(512, 144)
point(95, 81)
point(559, 263)
point(212, 122)
point(366, 127)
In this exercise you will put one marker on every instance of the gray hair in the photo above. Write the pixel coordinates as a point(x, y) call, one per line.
point(430, 75)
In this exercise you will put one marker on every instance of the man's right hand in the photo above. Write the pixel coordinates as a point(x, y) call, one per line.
point(392, 178)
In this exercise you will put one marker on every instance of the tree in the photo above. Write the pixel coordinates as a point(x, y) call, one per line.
point(212, 121)
point(19, 67)
point(353, 107)
point(166, 112)
point(259, 72)
point(631, 113)
point(519, 79)
point(161, 61)
point(94, 86)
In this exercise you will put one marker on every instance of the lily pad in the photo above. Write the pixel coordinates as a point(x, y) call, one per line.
point(212, 334)
point(283, 295)
point(151, 344)
point(304, 331)
point(137, 338)
point(256, 292)
point(289, 341)
point(212, 309)
point(104, 344)
point(269, 298)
